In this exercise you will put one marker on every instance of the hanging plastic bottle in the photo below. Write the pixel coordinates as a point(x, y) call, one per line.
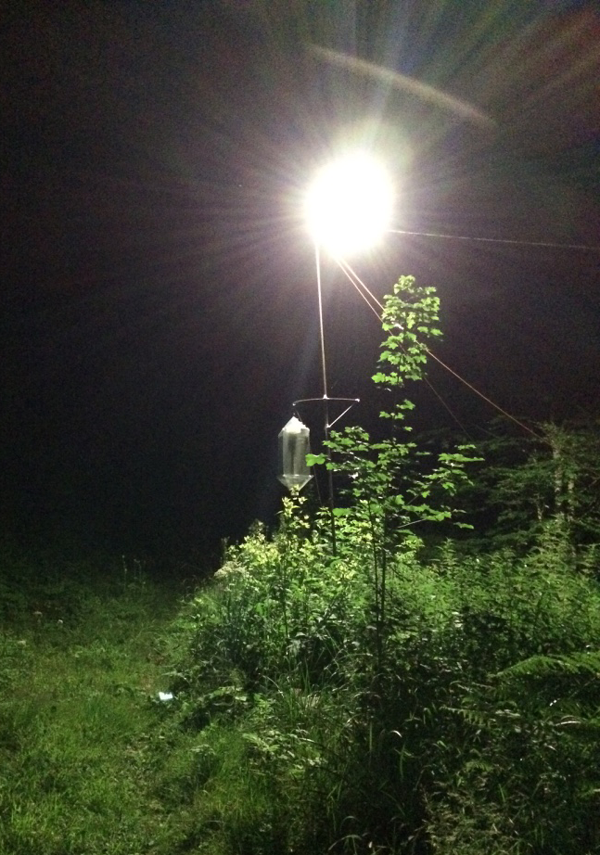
point(294, 442)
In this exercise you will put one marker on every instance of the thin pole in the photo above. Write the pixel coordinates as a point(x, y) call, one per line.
point(321, 329)
point(325, 399)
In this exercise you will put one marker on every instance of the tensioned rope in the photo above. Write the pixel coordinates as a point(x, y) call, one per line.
point(363, 290)
point(359, 285)
point(551, 244)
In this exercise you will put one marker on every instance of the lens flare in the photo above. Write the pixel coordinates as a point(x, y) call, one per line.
point(349, 205)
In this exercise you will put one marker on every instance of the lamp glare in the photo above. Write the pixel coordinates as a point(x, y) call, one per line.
point(349, 205)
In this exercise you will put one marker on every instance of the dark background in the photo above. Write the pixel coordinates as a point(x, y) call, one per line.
point(158, 298)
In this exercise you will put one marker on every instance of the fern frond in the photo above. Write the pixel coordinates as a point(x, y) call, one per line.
point(586, 663)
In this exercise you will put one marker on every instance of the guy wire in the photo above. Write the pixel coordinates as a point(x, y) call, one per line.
point(359, 284)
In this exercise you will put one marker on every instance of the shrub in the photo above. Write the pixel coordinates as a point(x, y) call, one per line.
point(383, 698)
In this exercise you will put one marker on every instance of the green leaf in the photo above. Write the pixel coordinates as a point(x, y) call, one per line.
point(341, 512)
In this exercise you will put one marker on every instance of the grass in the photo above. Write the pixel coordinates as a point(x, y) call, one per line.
point(91, 760)
point(84, 748)
point(430, 754)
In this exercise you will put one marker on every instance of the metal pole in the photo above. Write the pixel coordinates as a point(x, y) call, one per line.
point(325, 398)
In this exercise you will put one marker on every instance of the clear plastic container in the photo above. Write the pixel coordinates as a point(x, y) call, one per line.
point(294, 445)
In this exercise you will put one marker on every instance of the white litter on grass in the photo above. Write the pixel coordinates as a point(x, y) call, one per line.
point(165, 696)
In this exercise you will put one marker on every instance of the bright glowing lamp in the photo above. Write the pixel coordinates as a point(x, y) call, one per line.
point(349, 205)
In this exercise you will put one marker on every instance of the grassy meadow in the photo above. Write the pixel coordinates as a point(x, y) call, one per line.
point(382, 691)
point(85, 764)
point(466, 722)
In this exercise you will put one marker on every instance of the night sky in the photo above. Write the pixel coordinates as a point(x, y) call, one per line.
point(158, 306)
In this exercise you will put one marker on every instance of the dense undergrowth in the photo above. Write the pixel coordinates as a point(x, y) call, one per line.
point(379, 692)
point(470, 726)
